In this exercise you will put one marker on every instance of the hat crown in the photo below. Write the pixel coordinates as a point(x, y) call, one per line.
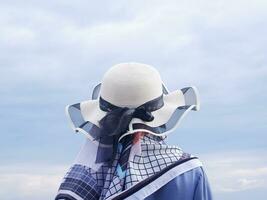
point(131, 84)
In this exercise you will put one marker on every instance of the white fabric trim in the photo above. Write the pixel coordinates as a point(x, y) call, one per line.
point(194, 95)
point(69, 118)
point(70, 193)
point(156, 134)
point(83, 131)
point(197, 98)
point(91, 112)
point(162, 180)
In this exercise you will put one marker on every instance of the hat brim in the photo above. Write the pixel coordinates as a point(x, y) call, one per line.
point(85, 116)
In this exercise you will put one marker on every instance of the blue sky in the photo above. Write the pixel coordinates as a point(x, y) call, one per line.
point(52, 53)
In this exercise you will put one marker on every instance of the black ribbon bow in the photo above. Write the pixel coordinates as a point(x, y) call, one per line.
point(116, 122)
point(117, 119)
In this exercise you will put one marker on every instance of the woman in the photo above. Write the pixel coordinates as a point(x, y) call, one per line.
point(125, 155)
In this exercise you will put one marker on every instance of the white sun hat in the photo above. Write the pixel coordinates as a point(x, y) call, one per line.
point(136, 92)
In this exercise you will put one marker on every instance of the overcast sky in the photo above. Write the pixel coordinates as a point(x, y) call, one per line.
point(52, 53)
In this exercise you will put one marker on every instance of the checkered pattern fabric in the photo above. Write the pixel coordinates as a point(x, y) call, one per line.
point(81, 181)
point(154, 156)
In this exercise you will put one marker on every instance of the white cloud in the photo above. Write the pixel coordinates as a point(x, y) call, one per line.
point(228, 172)
point(27, 181)
point(52, 50)
point(236, 171)
point(202, 42)
point(28, 186)
point(48, 53)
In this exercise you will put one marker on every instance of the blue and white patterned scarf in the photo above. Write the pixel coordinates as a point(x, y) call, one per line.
point(138, 157)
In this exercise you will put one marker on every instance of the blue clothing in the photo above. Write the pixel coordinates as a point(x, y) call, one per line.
point(191, 185)
point(159, 172)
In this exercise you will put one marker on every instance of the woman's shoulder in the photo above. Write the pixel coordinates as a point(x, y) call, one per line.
point(188, 181)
